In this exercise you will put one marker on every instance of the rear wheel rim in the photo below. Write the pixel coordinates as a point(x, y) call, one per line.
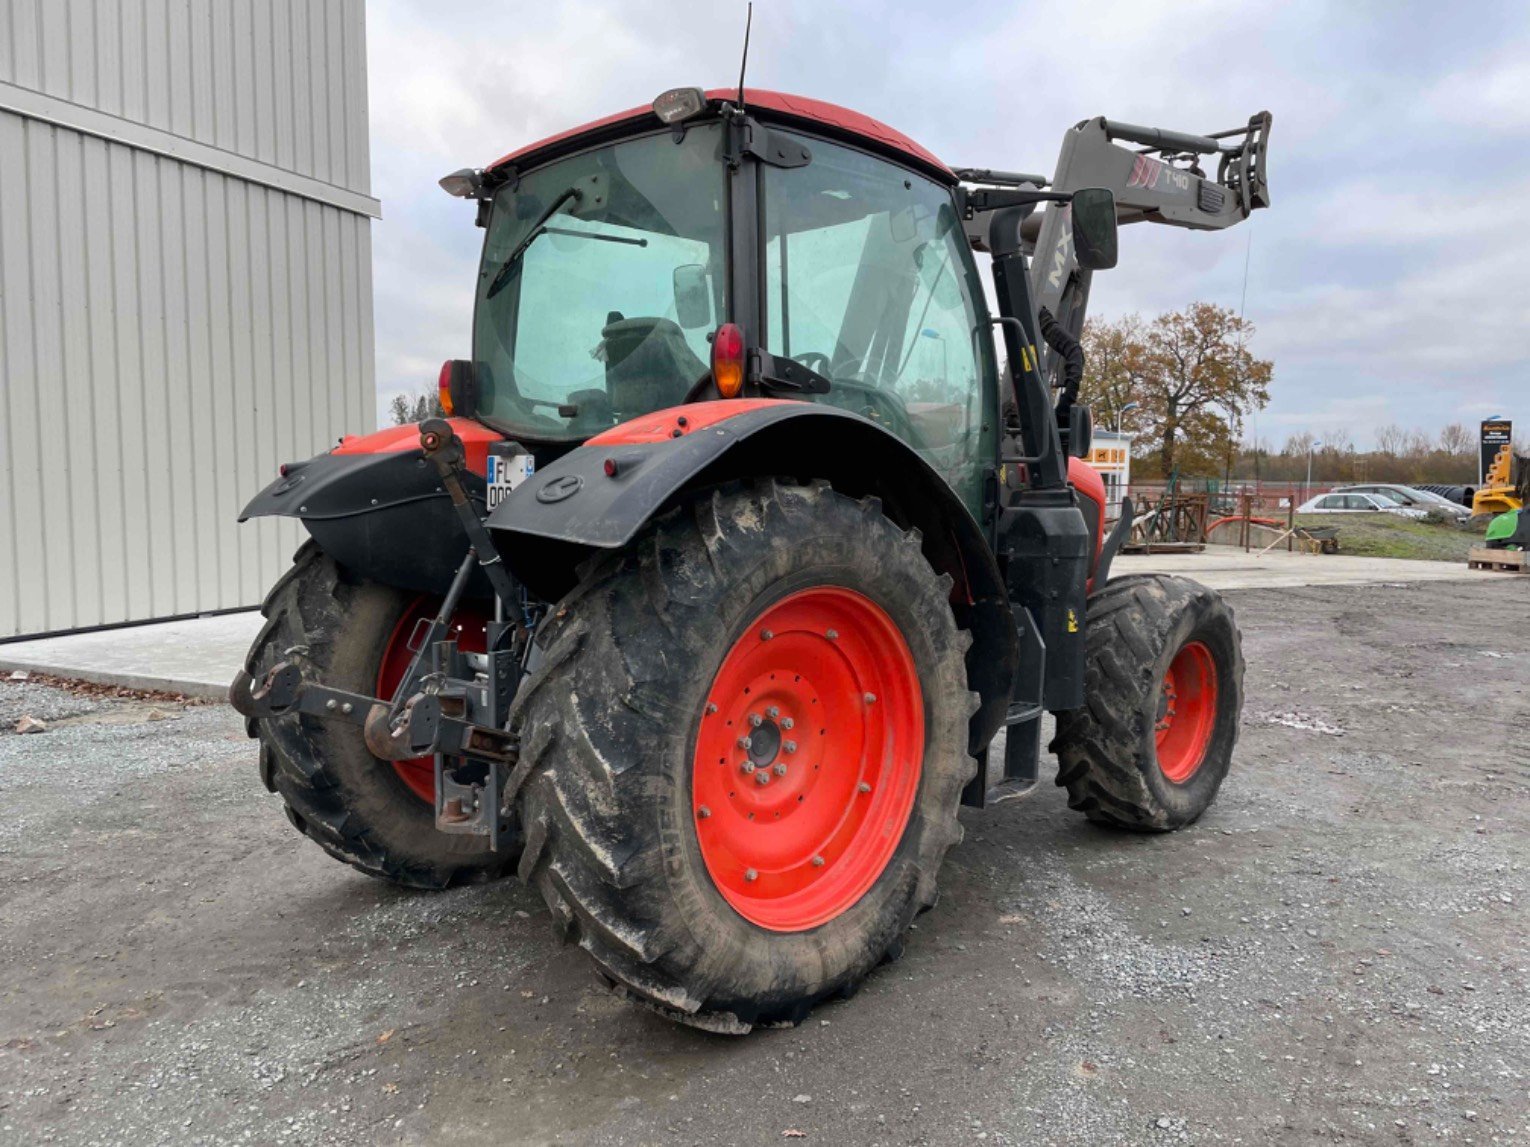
point(1187, 712)
point(469, 628)
point(821, 697)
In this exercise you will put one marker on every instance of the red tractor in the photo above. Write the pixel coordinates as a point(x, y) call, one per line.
point(740, 548)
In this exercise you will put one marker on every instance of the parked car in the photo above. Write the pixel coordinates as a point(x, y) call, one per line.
point(1353, 503)
point(1409, 496)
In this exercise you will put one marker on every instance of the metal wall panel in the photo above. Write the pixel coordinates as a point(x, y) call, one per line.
point(281, 81)
point(170, 333)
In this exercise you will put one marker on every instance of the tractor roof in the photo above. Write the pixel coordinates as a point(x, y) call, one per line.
point(830, 119)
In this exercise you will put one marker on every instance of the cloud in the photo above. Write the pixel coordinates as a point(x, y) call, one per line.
point(1390, 281)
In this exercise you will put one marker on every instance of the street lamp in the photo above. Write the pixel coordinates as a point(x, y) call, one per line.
point(1310, 449)
point(1123, 410)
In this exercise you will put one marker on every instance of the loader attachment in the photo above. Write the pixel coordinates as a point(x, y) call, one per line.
point(1156, 176)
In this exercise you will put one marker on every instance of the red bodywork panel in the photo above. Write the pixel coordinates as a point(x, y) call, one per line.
point(475, 436)
point(809, 111)
point(1087, 481)
point(678, 421)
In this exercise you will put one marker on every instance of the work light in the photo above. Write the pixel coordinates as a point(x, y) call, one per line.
point(679, 104)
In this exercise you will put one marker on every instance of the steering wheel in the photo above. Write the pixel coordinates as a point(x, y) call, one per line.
point(814, 360)
point(881, 405)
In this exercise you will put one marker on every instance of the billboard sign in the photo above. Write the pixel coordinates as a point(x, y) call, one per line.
point(1497, 434)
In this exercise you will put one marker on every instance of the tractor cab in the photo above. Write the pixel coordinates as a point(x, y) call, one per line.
point(623, 265)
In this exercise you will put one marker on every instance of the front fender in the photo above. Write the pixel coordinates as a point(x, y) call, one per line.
point(377, 507)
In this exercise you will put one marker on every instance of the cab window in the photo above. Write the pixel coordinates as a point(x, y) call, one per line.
point(869, 281)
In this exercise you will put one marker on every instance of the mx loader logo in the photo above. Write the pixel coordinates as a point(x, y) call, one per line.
point(1149, 173)
point(1062, 250)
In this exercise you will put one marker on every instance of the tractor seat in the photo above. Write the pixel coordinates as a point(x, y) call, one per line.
point(649, 365)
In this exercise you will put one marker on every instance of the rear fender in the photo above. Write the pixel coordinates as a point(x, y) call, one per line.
point(377, 507)
point(601, 495)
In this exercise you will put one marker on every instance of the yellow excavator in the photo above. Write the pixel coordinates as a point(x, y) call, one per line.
point(1500, 493)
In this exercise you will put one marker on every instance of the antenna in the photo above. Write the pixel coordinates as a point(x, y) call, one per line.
point(744, 63)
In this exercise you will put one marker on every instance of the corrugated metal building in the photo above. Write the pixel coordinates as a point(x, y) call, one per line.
point(185, 293)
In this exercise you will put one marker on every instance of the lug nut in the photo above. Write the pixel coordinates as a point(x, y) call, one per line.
point(831, 634)
point(703, 812)
point(711, 708)
point(772, 712)
point(790, 746)
point(766, 635)
point(817, 862)
point(871, 698)
point(756, 720)
point(864, 787)
point(743, 743)
point(747, 767)
point(781, 770)
point(787, 723)
point(751, 874)
point(762, 777)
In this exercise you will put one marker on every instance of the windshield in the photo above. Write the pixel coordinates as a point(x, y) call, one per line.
point(602, 278)
point(870, 282)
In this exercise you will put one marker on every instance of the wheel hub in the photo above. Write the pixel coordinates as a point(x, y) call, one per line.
point(808, 758)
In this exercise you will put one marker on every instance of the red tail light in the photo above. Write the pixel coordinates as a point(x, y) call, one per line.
point(728, 360)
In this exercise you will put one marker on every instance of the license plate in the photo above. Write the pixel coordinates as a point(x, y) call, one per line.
point(506, 473)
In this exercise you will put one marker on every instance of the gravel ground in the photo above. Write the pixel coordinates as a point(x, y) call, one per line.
point(1336, 951)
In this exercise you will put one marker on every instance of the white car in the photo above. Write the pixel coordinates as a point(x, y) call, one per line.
point(1352, 503)
point(1409, 496)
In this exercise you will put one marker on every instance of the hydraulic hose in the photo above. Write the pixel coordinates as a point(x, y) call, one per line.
point(1072, 352)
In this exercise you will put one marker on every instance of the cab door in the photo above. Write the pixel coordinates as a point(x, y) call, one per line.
point(868, 280)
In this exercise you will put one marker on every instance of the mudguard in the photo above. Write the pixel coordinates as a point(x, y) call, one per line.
point(600, 495)
point(377, 507)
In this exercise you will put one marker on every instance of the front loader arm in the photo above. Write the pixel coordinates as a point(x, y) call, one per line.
point(1161, 180)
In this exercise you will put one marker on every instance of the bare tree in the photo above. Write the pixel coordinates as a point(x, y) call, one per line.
point(1392, 439)
point(1457, 439)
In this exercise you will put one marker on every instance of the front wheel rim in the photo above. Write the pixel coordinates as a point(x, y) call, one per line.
point(808, 758)
point(1187, 712)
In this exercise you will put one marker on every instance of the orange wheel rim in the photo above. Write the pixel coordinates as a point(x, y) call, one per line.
point(808, 759)
point(469, 627)
point(1187, 712)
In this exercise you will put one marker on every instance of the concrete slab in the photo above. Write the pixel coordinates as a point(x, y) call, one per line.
point(199, 656)
point(1225, 567)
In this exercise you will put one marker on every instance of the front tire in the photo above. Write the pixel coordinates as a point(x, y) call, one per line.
point(1163, 686)
point(722, 899)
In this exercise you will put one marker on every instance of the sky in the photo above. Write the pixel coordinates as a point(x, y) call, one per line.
point(1389, 281)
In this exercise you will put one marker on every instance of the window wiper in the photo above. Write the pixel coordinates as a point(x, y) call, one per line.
point(502, 276)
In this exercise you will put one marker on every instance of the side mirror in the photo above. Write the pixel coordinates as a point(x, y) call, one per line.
point(693, 303)
point(1094, 228)
point(1080, 428)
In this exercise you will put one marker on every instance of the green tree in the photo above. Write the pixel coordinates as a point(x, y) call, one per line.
point(1196, 383)
point(407, 408)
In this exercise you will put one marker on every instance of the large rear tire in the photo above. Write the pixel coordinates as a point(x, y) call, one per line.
point(377, 817)
point(1163, 685)
point(744, 753)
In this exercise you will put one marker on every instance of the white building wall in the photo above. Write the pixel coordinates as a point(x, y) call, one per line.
point(185, 293)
